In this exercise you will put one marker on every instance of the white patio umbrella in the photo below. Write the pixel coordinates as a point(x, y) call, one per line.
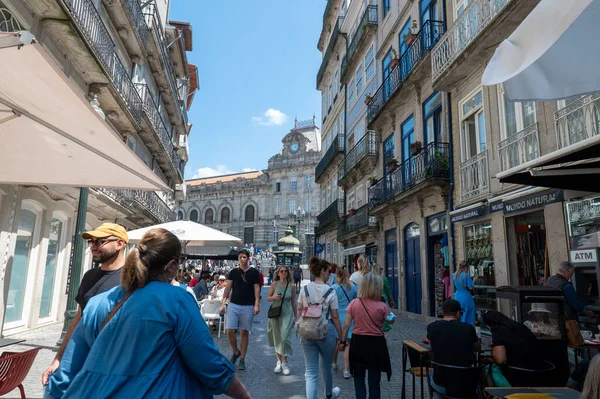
point(553, 54)
point(190, 233)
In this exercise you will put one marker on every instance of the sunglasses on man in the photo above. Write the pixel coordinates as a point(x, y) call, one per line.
point(100, 242)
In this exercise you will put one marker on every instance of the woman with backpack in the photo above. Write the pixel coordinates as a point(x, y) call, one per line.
point(346, 292)
point(317, 327)
point(368, 352)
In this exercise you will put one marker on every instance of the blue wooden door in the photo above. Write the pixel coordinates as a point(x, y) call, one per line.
point(412, 244)
point(391, 262)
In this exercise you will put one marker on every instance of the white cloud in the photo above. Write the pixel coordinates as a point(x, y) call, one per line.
point(271, 117)
point(244, 170)
point(210, 172)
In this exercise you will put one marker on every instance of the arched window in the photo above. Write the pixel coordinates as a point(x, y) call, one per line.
point(194, 216)
point(209, 216)
point(179, 215)
point(249, 215)
point(225, 215)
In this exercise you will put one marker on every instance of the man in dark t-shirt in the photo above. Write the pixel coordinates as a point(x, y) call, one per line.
point(244, 304)
point(452, 343)
point(107, 244)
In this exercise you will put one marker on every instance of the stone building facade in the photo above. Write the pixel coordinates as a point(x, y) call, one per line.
point(258, 206)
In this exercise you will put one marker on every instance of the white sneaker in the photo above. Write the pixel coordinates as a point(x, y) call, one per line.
point(347, 375)
point(277, 369)
point(334, 366)
point(285, 368)
point(335, 392)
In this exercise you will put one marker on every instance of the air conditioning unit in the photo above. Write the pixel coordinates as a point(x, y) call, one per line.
point(180, 191)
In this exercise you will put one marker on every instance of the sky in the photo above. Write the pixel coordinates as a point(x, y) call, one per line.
point(257, 63)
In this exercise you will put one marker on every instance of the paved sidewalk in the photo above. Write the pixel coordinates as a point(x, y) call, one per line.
point(259, 377)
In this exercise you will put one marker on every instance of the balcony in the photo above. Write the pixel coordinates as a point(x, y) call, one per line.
point(94, 32)
point(361, 159)
point(358, 223)
point(519, 148)
point(128, 18)
point(429, 165)
point(167, 74)
point(330, 215)
point(365, 30)
point(578, 121)
point(408, 65)
point(162, 133)
point(336, 148)
point(473, 37)
point(474, 177)
point(147, 201)
point(329, 14)
point(330, 51)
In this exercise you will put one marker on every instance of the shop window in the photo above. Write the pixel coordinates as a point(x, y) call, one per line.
point(529, 248)
point(473, 139)
point(209, 216)
point(480, 257)
point(583, 218)
point(54, 246)
point(225, 215)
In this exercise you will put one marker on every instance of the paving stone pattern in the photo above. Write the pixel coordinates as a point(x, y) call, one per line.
point(260, 361)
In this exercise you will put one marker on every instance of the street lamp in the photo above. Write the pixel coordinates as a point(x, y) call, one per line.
point(300, 214)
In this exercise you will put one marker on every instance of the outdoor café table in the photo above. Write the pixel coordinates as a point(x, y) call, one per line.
point(580, 349)
point(558, 393)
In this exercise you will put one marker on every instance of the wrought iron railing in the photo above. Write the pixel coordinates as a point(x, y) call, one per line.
point(368, 22)
point(138, 20)
point(91, 26)
point(331, 213)
point(578, 121)
point(159, 35)
point(357, 221)
point(148, 200)
point(473, 20)
point(368, 146)
point(337, 146)
point(427, 37)
point(519, 148)
point(431, 163)
point(474, 176)
point(8, 22)
point(328, 53)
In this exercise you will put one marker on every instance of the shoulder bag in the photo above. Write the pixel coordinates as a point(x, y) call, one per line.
point(275, 311)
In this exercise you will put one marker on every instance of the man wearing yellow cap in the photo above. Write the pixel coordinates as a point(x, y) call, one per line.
point(107, 244)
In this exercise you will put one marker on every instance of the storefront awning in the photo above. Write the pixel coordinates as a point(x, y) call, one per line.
point(570, 168)
point(354, 250)
point(50, 133)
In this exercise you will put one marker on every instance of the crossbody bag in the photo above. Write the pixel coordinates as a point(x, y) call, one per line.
point(115, 310)
point(275, 311)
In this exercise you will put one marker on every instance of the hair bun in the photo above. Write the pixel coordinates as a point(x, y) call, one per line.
point(142, 248)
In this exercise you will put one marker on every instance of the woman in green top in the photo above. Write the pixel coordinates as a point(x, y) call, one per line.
point(387, 295)
point(279, 329)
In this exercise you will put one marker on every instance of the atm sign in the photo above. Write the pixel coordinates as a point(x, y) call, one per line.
point(584, 256)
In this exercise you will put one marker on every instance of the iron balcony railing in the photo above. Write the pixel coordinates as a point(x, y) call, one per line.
point(148, 200)
point(89, 23)
point(473, 20)
point(431, 163)
point(368, 146)
point(331, 214)
point(329, 52)
point(427, 37)
point(158, 32)
point(337, 146)
point(138, 20)
point(356, 222)
point(578, 121)
point(368, 22)
point(474, 177)
point(519, 148)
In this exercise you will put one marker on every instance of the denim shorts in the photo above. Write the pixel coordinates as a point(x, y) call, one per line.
point(239, 317)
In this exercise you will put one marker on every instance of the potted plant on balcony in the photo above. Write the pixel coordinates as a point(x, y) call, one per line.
point(372, 180)
point(391, 165)
point(416, 148)
point(351, 211)
point(437, 165)
point(395, 59)
point(411, 35)
point(368, 99)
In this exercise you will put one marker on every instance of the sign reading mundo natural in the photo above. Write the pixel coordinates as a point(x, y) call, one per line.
point(533, 201)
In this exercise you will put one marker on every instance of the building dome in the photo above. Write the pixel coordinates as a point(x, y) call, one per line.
point(289, 240)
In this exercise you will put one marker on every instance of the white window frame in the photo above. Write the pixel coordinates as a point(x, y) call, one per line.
point(292, 208)
point(351, 200)
point(277, 207)
point(457, 5)
point(360, 196)
point(293, 186)
point(476, 111)
point(308, 181)
point(518, 113)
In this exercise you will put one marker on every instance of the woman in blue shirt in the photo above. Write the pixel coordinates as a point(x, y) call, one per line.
point(346, 292)
point(464, 284)
point(156, 345)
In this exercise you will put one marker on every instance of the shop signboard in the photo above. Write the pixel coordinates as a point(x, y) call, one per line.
point(319, 248)
point(467, 215)
point(533, 201)
point(497, 206)
point(584, 255)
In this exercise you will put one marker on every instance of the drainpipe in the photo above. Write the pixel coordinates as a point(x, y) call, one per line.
point(451, 252)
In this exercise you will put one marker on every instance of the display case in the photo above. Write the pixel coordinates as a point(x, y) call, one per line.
point(541, 310)
point(480, 257)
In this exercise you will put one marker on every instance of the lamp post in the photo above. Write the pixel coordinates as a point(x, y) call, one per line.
point(300, 214)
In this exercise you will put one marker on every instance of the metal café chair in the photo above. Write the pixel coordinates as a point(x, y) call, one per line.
point(418, 357)
point(463, 382)
point(14, 367)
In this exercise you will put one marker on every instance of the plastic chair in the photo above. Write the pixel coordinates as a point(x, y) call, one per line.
point(14, 367)
point(209, 309)
point(462, 382)
point(418, 357)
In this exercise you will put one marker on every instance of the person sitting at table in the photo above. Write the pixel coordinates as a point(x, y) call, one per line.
point(452, 342)
point(513, 345)
point(591, 387)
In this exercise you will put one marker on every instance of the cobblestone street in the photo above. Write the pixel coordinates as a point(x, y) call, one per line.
point(258, 377)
